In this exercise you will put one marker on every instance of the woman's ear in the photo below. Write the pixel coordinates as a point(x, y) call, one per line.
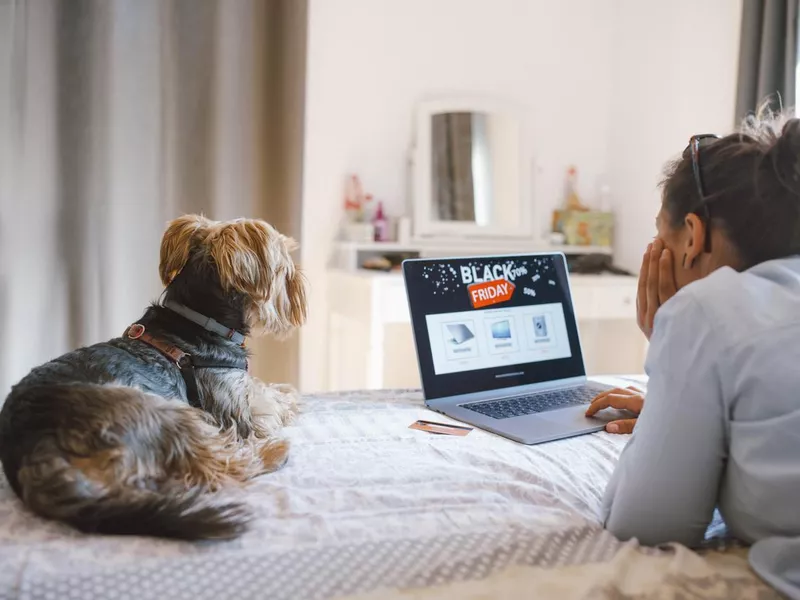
point(176, 245)
point(693, 242)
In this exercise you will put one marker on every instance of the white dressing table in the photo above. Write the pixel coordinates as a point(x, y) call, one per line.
point(471, 195)
point(370, 344)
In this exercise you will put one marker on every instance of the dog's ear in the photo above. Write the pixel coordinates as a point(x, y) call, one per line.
point(296, 292)
point(253, 259)
point(246, 252)
point(181, 236)
point(290, 243)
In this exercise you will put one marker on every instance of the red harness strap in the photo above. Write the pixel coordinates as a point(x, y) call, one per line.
point(137, 332)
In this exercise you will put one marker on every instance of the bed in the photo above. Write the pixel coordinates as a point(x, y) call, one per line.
point(367, 508)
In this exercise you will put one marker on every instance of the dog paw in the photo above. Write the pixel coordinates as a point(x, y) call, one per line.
point(288, 400)
point(274, 455)
point(273, 405)
point(284, 388)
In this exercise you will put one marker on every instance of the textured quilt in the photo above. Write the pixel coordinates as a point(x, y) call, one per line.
point(368, 508)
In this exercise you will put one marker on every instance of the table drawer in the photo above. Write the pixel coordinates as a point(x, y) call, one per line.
point(583, 302)
point(615, 302)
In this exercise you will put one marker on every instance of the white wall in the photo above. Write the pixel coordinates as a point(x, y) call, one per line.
point(370, 61)
point(674, 72)
point(613, 86)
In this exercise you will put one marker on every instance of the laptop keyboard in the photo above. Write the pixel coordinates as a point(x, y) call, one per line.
point(534, 403)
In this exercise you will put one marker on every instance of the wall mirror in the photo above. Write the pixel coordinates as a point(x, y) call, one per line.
point(469, 170)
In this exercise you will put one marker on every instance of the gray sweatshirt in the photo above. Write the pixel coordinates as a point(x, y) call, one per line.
point(721, 422)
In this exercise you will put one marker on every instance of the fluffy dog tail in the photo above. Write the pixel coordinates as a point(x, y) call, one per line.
point(119, 461)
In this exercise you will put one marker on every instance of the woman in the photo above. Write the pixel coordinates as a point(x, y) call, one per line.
point(719, 299)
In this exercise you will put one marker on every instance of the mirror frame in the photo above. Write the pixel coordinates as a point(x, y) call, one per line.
point(425, 226)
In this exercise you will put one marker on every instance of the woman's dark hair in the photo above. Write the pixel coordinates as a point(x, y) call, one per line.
point(751, 181)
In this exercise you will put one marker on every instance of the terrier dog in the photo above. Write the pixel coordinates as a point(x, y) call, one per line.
point(139, 434)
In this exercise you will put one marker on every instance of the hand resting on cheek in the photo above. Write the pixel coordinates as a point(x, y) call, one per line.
point(656, 284)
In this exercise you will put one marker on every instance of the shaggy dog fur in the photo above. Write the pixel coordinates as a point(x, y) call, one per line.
point(103, 438)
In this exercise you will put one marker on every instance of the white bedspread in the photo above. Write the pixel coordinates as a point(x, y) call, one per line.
point(365, 506)
point(363, 474)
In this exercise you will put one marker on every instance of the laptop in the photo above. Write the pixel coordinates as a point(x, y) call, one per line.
point(498, 345)
point(460, 332)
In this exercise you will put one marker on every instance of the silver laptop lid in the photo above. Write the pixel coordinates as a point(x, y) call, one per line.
point(492, 323)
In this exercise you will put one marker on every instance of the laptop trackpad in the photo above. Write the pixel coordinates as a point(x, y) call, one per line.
point(553, 425)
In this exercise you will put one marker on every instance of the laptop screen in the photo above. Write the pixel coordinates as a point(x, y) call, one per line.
point(492, 322)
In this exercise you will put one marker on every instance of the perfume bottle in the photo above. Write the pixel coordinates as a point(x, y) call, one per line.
point(380, 224)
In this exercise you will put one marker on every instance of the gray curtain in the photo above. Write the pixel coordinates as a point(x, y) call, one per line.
point(115, 116)
point(768, 55)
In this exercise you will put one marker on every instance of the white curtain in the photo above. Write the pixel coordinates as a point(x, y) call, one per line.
point(115, 116)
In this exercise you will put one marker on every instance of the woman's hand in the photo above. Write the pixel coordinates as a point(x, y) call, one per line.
point(656, 285)
point(630, 398)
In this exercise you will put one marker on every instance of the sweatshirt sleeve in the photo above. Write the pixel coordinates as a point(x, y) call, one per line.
point(665, 486)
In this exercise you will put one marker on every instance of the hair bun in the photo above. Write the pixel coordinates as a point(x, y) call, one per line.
point(785, 156)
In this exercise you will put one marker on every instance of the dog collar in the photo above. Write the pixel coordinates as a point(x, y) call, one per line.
point(206, 323)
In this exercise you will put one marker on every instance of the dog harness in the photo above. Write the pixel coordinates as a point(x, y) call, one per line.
point(186, 363)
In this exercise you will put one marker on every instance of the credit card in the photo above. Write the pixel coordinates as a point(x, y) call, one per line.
point(440, 428)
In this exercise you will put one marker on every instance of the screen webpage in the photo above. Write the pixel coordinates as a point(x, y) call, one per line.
point(469, 340)
point(486, 323)
point(525, 332)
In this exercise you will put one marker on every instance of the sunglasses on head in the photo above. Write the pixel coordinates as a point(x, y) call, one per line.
point(696, 143)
